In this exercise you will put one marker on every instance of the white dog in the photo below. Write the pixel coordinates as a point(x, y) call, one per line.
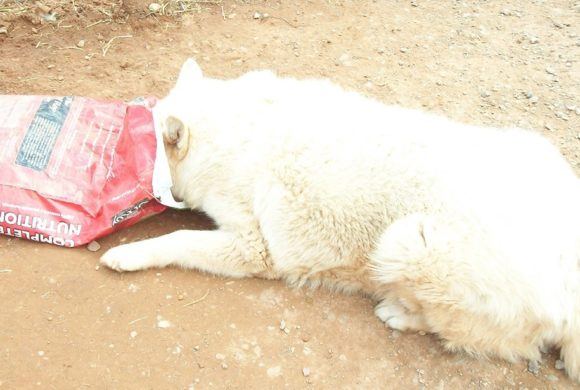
point(468, 232)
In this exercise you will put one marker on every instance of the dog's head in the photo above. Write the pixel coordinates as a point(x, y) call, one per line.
point(176, 114)
point(175, 108)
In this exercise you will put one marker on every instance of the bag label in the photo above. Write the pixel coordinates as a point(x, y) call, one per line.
point(41, 136)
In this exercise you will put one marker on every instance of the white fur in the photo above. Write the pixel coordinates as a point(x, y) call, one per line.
point(469, 232)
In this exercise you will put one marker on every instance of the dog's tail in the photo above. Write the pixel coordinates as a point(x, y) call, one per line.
point(570, 351)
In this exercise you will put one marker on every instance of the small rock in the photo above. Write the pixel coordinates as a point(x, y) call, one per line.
point(274, 372)
point(552, 378)
point(422, 333)
point(257, 15)
point(559, 365)
point(505, 12)
point(220, 356)
point(485, 94)
point(94, 246)
point(50, 66)
point(414, 3)
point(224, 365)
point(403, 50)
point(570, 107)
point(133, 334)
point(155, 7)
point(561, 115)
point(306, 372)
point(163, 324)
point(533, 40)
point(40, 353)
point(550, 70)
point(345, 59)
point(81, 43)
point(534, 99)
point(51, 17)
point(3, 30)
point(534, 367)
point(282, 325)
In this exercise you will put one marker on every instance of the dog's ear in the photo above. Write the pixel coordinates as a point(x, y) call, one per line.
point(176, 135)
point(189, 74)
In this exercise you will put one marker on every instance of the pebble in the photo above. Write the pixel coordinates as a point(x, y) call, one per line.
point(559, 365)
point(94, 246)
point(345, 59)
point(50, 66)
point(81, 43)
point(534, 367)
point(155, 7)
point(403, 50)
point(224, 365)
point(485, 94)
point(3, 30)
point(552, 378)
point(550, 70)
point(561, 115)
point(282, 325)
point(133, 334)
point(220, 356)
point(163, 324)
point(257, 15)
point(274, 371)
point(41, 353)
point(533, 40)
point(306, 372)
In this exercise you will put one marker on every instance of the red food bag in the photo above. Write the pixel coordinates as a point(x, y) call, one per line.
point(73, 169)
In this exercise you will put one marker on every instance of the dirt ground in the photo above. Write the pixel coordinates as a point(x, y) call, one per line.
point(65, 323)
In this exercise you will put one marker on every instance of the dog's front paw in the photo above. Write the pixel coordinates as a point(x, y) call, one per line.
point(130, 257)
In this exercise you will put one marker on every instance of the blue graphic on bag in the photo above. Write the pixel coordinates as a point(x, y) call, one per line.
point(41, 136)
